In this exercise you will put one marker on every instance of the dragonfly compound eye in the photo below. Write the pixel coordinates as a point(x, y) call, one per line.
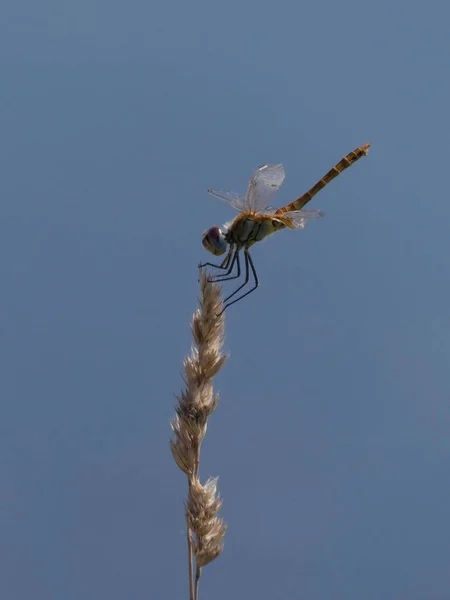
point(214, 241)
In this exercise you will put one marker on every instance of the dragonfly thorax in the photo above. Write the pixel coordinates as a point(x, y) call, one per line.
point(248, 229)
point(243, 232)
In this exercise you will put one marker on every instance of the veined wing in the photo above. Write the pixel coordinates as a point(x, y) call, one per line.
point(263, 185)
point(236, 200)
point(299, 218)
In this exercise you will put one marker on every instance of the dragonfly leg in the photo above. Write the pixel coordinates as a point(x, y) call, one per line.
point(248, 261)
point(223, 265)
point(226, 276)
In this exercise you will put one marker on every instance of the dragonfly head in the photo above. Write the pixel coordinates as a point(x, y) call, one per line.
point(214, 240)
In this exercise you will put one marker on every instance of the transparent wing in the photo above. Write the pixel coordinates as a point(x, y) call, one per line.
point(299, 218)
point(262, 187)
point(236, 200)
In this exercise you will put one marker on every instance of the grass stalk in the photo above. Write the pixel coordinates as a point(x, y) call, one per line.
point(196, 403)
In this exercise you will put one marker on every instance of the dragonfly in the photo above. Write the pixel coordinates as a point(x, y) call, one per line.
point(256, 221)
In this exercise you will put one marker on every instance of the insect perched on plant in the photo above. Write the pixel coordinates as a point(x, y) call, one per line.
point(256, 220)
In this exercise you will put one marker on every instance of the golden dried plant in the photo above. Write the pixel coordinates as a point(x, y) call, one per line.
point(196, 403)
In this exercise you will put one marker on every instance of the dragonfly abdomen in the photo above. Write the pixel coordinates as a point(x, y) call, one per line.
point(341, 166)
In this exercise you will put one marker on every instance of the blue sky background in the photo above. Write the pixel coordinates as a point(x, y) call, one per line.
point(332, 436)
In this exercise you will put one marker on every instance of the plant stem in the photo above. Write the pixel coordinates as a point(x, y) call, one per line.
point(191, 571)
point(197, 581)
